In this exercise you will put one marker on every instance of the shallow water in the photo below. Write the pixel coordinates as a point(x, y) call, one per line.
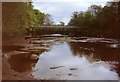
point(84, 62)
point(72, 58)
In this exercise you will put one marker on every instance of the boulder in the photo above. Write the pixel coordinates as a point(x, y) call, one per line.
point(34, 57)
point(55, 67)
point(73, 68)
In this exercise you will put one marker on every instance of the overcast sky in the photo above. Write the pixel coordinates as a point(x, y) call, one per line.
point(61, 10)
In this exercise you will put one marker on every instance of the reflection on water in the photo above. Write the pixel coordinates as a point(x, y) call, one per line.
point(100, 50)
point(61, 54)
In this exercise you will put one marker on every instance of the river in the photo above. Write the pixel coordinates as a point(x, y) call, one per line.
point(71, 58)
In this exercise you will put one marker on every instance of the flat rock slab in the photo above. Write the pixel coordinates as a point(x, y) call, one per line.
point(73, 68)
point(39, 48)
point(55, 67)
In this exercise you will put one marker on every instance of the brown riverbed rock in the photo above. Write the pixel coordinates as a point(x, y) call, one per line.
point(34, 57)
point(55, 67)
point(40, 48)
point(73, 68)
point(37, 42)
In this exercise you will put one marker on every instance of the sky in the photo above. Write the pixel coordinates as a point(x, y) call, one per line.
point(61, 10)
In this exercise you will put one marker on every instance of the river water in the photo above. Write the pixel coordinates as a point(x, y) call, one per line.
point(73, 58)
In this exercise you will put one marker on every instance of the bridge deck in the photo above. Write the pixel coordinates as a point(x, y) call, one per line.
point(58, 26)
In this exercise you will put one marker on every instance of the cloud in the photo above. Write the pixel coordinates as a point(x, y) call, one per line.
point(61, 10)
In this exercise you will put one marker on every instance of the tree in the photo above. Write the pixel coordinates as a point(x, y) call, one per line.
point(17, 17)
point(48, 20)
point(62, 24)
point(94, 9)
point(74, 19)
point(39, 17)
point(98, 21)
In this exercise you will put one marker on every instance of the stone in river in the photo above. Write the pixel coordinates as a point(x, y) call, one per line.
point(73, 68)
point(34, 57)
point(114, 45)
point(70, 74)
point(55, 67)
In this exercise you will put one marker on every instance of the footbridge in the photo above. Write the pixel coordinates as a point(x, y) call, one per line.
point(58, 26)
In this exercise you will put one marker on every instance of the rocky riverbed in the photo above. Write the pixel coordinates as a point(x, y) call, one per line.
point(59, 57)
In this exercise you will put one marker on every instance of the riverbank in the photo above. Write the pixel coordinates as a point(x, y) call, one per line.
point(7, 72)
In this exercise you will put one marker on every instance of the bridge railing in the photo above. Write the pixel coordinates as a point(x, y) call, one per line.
point(58, 26)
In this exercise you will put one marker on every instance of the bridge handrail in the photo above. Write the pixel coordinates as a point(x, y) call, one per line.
point(58, 26)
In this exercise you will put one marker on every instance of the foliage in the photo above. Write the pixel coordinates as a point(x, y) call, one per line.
point(48, 21)
point(39, 17)
point(97, 21)
point(62, 24)
point(19, 16)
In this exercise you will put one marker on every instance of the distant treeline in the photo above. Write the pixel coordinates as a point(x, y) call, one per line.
point(54, 30)
point(98, 21)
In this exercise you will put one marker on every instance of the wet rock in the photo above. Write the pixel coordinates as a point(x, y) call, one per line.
point(19, 52)
point(31, 75)
point(37, 42)
point(59, 74)
point(49, 41)
point(55, 67)
point(44, 44)
point(35, 70)
point(41, 48)
point(73, 41)
point(70, 74)
point(34, 57)
point(27, 37)
point(43, 79)
point(14, 75)
point(114, 45)
point(73, 68)
point(6, 56)
point(53, 79)
point(38, 50)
